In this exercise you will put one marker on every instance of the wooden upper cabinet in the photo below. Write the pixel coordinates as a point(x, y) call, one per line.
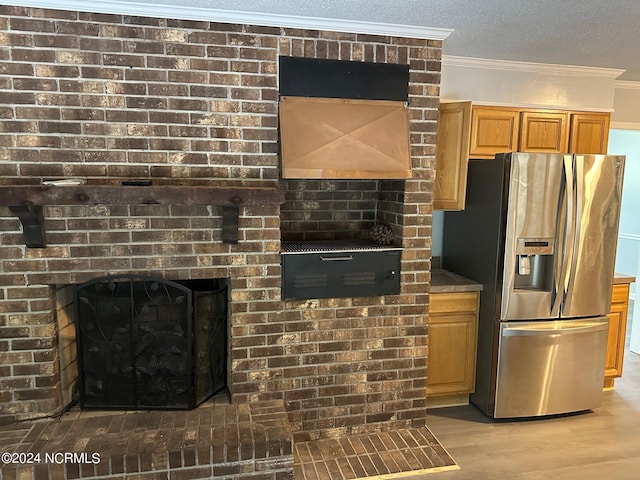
point(470, 131)
point(544, 131)
point(452, 155)
point(493, 130)
point(589, 133)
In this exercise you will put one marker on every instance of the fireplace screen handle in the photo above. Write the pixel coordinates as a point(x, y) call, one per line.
point(344, 258)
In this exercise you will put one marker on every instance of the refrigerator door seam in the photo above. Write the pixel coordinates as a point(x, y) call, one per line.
point(579, 184)
point(569, 237)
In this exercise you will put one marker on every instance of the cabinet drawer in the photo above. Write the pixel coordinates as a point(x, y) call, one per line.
point(620, 293)
point(455, 302)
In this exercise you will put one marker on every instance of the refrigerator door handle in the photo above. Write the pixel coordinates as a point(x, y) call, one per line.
point(566, 253)
point(577, 229)
point(534, 330)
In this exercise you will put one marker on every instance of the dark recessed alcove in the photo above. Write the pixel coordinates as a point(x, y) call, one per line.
point(149, 343)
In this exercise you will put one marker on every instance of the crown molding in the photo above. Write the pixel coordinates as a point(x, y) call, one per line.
point(627, 85)
point(545, 106)
point(624, 125)
point(540, 68)
point(629, 236)
point(146, 9)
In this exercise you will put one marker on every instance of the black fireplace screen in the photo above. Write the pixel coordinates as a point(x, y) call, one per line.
point(147, 343)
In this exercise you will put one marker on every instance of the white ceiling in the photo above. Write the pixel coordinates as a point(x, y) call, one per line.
point(592, 33)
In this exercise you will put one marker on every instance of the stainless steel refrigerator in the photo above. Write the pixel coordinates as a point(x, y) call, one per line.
point(539, 232)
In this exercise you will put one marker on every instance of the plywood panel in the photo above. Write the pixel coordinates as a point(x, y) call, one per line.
point(344, 138)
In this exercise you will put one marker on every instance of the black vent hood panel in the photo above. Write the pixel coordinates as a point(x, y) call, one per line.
point(310, 77)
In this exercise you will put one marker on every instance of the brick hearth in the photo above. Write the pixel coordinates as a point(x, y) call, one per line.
point(248, 441)
point(109, 98)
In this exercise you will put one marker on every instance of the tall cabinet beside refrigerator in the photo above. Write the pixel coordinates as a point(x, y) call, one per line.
point(539, 232)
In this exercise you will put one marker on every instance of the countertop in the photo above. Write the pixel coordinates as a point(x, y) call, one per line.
point(622, 278)
point(443, 281)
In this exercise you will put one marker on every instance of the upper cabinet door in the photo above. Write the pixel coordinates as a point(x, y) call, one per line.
point(589, 133)
point(544, 131)
point(452, 155)
point(493, 130)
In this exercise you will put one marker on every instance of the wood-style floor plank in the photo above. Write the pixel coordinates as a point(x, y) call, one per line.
point(601, 444)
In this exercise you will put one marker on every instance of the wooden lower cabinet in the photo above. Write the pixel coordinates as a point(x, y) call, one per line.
point(453, 334)
point(617, 334)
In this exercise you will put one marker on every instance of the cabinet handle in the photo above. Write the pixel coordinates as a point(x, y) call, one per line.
point(337, 259)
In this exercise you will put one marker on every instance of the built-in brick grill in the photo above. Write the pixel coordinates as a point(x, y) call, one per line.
point(334, 269)
point(335, 246)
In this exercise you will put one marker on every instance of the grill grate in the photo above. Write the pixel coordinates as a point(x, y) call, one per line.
point(332, 246)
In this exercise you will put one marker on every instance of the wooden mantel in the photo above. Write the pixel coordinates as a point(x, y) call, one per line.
point(27, 202)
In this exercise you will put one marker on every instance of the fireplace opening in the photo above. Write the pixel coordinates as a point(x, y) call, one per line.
point(149, 343)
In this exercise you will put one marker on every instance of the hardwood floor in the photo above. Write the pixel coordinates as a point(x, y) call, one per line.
point(602, 444)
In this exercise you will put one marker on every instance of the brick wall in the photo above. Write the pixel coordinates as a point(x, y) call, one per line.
point(107, 97)
point(328, 209)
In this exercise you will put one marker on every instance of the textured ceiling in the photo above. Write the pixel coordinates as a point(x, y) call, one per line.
point(594, 33)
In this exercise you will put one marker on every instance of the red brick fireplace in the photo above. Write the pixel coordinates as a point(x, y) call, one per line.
point(186, 103)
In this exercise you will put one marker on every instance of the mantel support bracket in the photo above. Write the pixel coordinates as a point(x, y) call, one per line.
point(32, 220)
point(230, 224)
point(27, 202)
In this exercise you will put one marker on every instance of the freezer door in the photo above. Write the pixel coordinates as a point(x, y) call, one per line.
point(552, 367)
point(534, 217)
point(589, 272)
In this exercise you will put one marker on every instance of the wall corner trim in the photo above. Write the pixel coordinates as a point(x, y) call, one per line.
point(627, 85)
point(624, 125)
point(541, 68)
point(149, 9)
